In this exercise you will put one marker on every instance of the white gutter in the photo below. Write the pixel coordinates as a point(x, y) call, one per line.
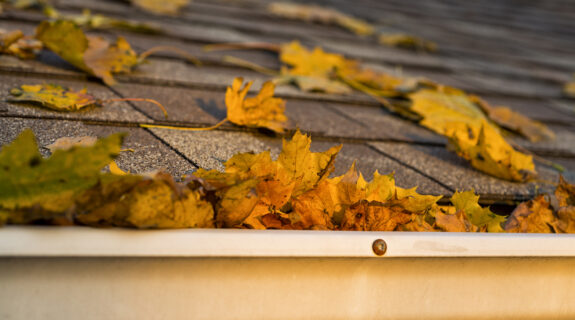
point(39, 241)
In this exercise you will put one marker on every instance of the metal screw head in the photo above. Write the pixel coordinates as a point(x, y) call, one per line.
point(379, 247)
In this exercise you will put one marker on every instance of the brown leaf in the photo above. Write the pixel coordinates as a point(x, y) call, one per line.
point(533, 216)
point(374, 216)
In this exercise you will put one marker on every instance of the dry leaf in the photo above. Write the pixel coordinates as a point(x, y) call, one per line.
point(487, 151)
point(16, 44)
point(66, 143)
point(374, 216)
point(483, 218)
point(505, 117)
point(162, 7)
point(53, 97)
point(94, 55)
point(533, 216)
point(314, 13)
point(406, 41)
point(33, 188)
point(263, 110)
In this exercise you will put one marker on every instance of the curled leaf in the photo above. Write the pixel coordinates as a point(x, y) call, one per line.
point(94, 55)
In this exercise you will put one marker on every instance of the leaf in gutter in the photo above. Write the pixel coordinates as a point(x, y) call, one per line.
point(533, 216)
point(36, 188)
point(483, 218)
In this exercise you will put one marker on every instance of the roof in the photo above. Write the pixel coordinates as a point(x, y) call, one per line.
point(516, 55)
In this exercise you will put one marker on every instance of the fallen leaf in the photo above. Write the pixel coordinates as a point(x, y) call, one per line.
point(17, 44)
point(483, 218)
point(314, 13)
point(33, 188)
point(261, 111)
point(94, 55)
point(505, 117)
point(406, 41)
point(456, 222)
point(375, 83)
point(143, 202)
point(66, 143)
point(162, 7)
point(53, 96)
point(374, 216)
point(487, 151)
point(533, 216)
point(569, 89)
point(98, 21)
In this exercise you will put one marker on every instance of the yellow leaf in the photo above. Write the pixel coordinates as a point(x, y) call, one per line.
point(374, 216)
point(94, 55)
point(163, 7)
point(304, 167)
point(406, 41)
point(533, 216)
point(483, 218)
point(237, 203)
point(442, 107)
point(305, 63)
point(314, 13)
point(104, 59)
point(415, 202)
point(263, 110)
point(53, 97)
point(533, 130)
point(487, 151)
point(66, 143)
point(375, 83)
point(315, 84)
point(16, 44)
point(114, 169)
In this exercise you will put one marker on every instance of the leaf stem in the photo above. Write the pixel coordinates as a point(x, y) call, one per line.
point(217, 125)
point(245, 46)
point(134, 99)
point(176, 50)
point(249, 65)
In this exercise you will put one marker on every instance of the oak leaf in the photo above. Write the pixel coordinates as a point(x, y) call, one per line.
point(94, 55)
point(53, 96)
point(263, 110)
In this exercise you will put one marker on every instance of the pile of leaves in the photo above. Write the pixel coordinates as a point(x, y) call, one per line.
point(294, 191)
point(473, 127)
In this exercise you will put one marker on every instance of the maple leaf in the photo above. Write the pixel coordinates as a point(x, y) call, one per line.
point(487, 151)
point(16, 44)
point(483, 218)
point(303, 166)
point(143, 202)
point(94, 55)
point(374, 216)
point(314, 13)
point(311, 71)
point(32, 187)
point(162, 7)
point(406, 41)
point(53, 96)
point(263, 110)
point(456, 222)
point(533, 216)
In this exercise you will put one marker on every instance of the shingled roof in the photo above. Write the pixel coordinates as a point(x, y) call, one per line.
point(514, 55)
